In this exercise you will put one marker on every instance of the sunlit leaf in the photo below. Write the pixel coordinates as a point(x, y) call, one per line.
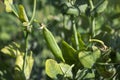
point(19, 74)
point(19, 63)
point(96, 53)
point(53, 69)
point(66, 69)
point(22, 14)
point(86, 59)
point(81, 43)
point(29, 65)
point(101, 6)
point(11, 50)
point(8, 4)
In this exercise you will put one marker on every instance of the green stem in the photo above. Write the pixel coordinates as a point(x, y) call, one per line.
point(26, 50)
point(92, 20)
point(34, 10)
point(93, 26)
point(91, 4)
point(26, 36)
point(75, 34)
point(99, 41)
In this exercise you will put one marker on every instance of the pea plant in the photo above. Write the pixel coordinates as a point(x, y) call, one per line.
point(23, 57)
point(81, 59)
point(86, 54)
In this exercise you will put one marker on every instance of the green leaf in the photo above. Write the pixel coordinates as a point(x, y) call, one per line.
point(96, 53)
point(66, 69)
point(22, 14)
point(83, 8)
point(12, 49)
point(29, 65)
point(19, 67)
point(19, 63)
point(90, 75)
point(69, 53)
point(82, 45)
point(100, 7)
point(85, 74)
point(86, 59)
point(19, 74)
point(53, 69)
point(8, 4)
point(15, 9)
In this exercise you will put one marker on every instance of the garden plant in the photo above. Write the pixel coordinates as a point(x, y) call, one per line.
point(60, 40)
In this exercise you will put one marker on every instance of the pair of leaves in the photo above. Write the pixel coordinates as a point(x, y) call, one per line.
point(99, 7)
point(88, 58)
point(68, 8)
point(14, 50)
point(19, 73)
point(19, 10)
point(8, 4)
point(58, 71)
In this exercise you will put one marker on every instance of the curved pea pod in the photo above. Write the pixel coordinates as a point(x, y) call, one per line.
point(52, 44)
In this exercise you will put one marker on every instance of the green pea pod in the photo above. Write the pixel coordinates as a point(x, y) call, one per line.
point(52, 44)
point(22, 14)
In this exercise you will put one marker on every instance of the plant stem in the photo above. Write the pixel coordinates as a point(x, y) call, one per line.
point(93, 26)
point(26, 36)
point(91, 4)
point(26, 50)
point(75, 34)
point(92, 20)
point(34, 10)
point(99, 41)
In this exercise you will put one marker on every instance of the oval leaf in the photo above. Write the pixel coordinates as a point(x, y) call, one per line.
point(86, 59)
point(8, 4)
point(53, 69)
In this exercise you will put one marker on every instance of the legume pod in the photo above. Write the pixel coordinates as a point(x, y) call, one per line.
point(52, 44)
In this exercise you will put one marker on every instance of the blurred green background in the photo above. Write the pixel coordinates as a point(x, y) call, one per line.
point(49, 13)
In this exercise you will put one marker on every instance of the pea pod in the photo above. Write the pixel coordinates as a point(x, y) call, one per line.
point(52, 44)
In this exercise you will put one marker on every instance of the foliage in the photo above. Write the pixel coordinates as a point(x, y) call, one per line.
point(79, 39)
